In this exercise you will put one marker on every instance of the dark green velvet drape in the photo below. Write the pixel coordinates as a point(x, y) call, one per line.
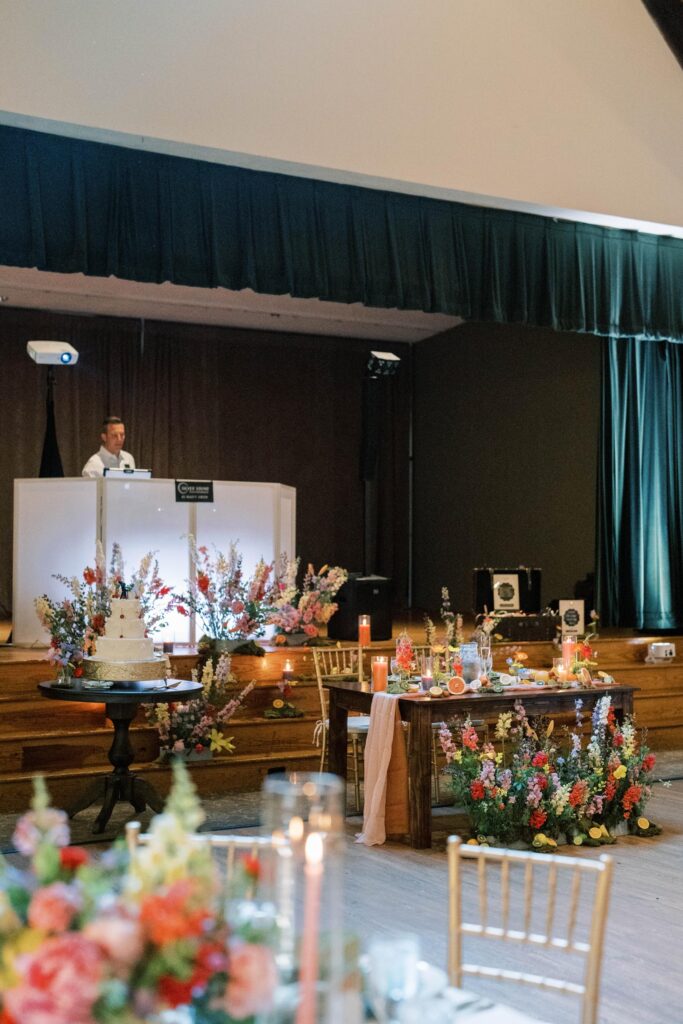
point(640, 486)
point(67, 205)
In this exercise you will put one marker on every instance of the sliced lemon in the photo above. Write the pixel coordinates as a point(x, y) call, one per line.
point(552, 842)
point(578, 840)
point(603, 829)
point(643, 824)
point(278, 703)
point(472, 842)
point(595, 832)
point(435, 691)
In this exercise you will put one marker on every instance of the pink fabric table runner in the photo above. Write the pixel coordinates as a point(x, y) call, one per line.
point(385, 810)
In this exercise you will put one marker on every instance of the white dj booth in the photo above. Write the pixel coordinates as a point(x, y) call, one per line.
point(58, 521)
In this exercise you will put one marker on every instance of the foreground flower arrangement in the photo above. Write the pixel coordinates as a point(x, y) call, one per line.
point(529, 786)
point(196, 726)
point(112, 942)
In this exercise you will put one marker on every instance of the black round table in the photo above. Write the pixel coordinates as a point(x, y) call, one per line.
point(122, 701)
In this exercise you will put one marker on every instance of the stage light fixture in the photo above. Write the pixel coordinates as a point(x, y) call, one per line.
point(383, 364)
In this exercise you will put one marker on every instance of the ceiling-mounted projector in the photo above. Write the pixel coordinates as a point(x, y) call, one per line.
point(55, 353)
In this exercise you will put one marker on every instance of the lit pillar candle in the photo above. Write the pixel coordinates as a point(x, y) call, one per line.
point(380, 673)
point(308, 966)
point(568, 651)
point(427, 679)
point(287, 672)
point(364, 630)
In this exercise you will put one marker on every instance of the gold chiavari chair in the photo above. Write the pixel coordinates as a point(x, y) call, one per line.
point(340, 661)
point(534, 900)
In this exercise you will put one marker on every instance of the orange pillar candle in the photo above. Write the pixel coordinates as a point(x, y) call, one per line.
point(380, 673)
point(568, 651)
point(364, 630)
point(308, 966)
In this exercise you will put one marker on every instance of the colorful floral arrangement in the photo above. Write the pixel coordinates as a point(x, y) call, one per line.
point(308, 608)
point(75, 622)
point(526, 785)
point(229, 605)
point(196, 726)
point(87, 941)
point(453, 635)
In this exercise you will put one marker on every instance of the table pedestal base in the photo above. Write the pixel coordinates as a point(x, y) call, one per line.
point(114, 788)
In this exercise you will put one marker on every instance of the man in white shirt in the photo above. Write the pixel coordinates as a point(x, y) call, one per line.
point(111, 454)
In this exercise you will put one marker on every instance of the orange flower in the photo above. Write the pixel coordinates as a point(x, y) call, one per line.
point(169, 916)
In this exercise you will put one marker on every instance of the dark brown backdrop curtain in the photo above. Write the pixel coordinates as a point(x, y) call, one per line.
point(213, 403)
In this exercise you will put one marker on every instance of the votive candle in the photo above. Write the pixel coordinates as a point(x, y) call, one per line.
point(364, 630)
point(287, 672)
point(380, 673)
point(308, 966)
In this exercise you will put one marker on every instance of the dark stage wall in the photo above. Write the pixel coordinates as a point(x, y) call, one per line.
point(213, 403)
point(506, 437)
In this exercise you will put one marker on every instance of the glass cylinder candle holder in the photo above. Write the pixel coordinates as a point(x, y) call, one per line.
point(306, 812)
point(380, 673)
point(364, 634)
point(287, 671)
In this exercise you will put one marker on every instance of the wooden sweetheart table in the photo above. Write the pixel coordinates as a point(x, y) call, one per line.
point(421, 712)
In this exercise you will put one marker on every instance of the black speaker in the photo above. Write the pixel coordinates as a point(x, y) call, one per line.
point(362, 595)
point(528, 588)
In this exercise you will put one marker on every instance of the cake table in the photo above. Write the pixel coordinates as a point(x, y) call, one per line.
point(122, 701)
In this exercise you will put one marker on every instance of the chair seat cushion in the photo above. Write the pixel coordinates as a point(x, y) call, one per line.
point(355, 723)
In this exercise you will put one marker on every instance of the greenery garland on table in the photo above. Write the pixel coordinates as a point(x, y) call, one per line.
point(532, 787)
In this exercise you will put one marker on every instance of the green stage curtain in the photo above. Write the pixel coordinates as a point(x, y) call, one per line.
point(72, 206)
point(640, 486)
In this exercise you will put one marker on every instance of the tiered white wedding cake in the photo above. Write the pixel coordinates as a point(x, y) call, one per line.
point(124, 652)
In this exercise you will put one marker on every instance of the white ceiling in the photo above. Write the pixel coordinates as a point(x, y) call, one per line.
point(75, 293)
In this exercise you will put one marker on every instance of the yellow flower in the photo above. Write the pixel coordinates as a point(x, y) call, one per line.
point(550, 728)
point(218, 742)
point(17, 945)
point(499, 757)
point(458, 756)
point(620, 772)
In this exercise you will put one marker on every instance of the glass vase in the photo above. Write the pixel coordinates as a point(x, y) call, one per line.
point(317, 962)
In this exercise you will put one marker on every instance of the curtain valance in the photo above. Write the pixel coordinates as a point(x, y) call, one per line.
point(75, 206)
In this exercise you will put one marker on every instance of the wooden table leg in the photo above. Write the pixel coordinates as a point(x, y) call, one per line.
point(337, 739)
point(419, 778)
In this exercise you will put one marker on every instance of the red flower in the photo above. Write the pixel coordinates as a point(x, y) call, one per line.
point(630, 798)
point(89, 575)
point(610, 789)
point(470, 738)
point(579, 793)
point(72, 857)
point(211, 959)
point(618, 739)
point(199, 747)
point(180, 609)
point(477, 790)
point(168, 916)
point(252, 866)
point(164, 591)
point(540, 759)
point(98, 623)
point(542, 782)
point(649, 762)
point(78, 671)
point(203, 582)
point(538, 819)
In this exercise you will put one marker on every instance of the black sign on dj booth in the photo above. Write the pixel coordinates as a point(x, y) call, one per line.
point(194, 490)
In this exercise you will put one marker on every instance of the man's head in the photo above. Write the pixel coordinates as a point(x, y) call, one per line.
point(113, 434)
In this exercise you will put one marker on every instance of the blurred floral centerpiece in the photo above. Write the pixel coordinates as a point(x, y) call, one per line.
point(232, 608)
point(301, 612)
point(194, 728)
point(106, 942)
point(75, 622)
